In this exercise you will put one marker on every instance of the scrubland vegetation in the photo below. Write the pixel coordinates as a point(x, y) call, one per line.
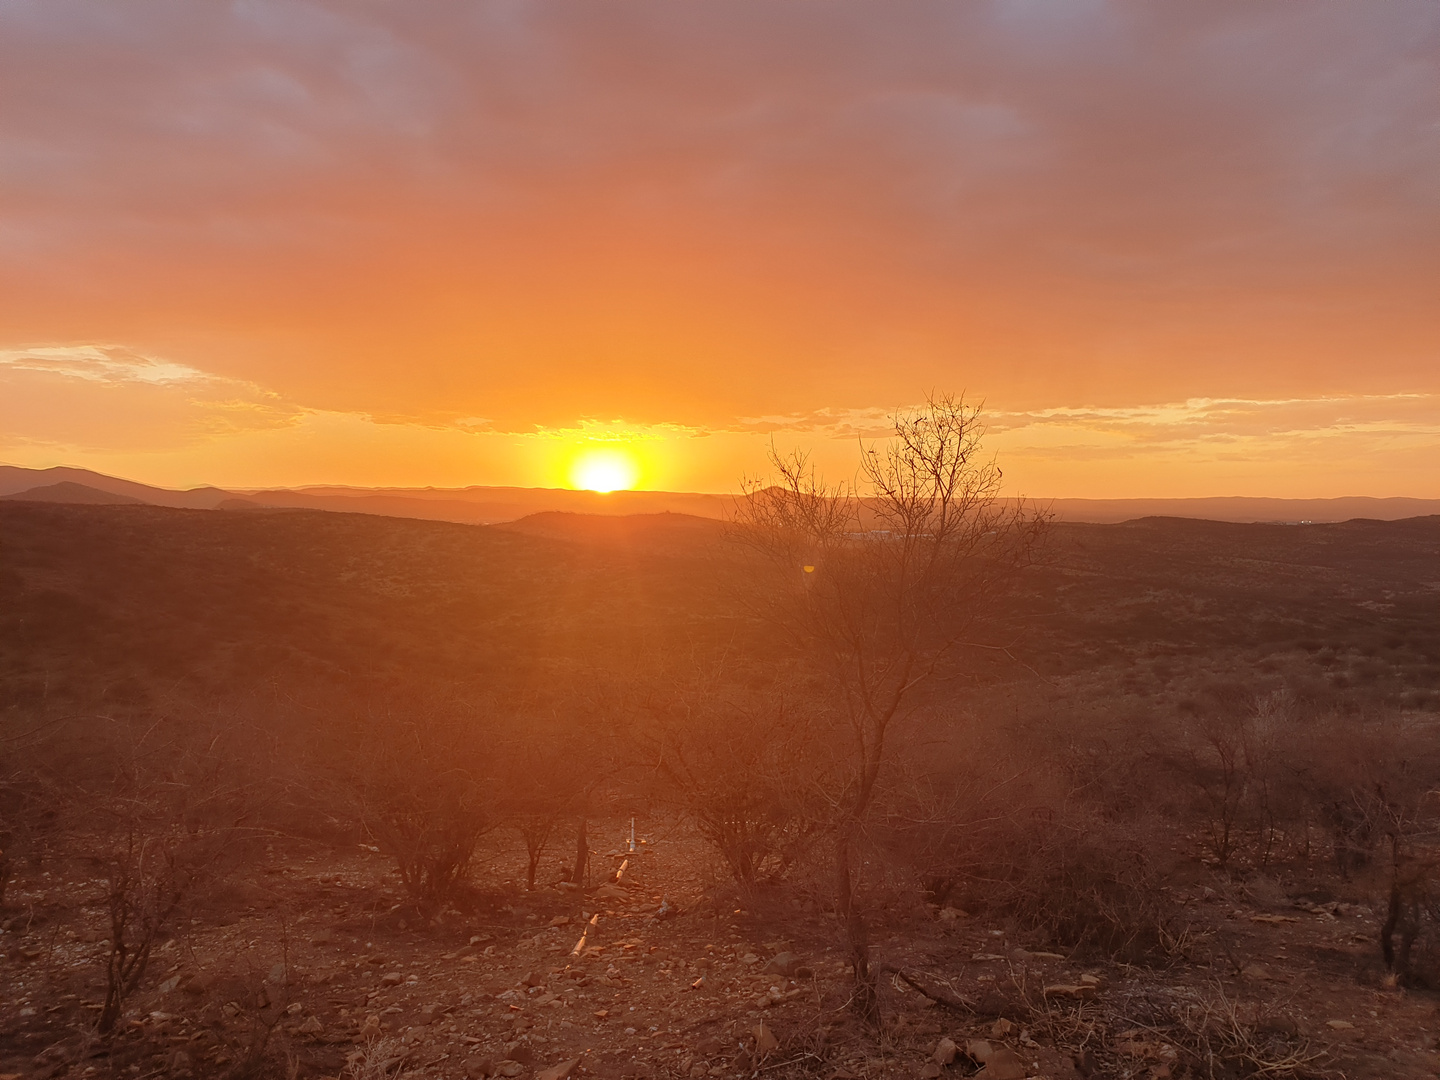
point(301, 794)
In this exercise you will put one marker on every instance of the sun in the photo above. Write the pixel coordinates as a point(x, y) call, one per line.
point(604, 470)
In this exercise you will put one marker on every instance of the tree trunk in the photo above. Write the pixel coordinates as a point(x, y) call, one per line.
point(582, 855)
point(866, 1002)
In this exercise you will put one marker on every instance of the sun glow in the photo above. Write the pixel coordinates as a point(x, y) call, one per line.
point(604, 470)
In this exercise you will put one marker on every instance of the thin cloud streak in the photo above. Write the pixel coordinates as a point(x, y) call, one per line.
point(111, 403)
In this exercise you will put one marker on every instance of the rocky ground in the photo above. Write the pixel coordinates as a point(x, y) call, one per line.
point(311, 967)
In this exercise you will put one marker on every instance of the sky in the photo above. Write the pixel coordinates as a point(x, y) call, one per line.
point(1175, 249)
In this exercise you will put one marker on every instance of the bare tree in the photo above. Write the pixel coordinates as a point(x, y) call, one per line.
point(881, 585)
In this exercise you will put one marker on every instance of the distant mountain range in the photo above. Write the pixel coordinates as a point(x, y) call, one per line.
point(493, 505)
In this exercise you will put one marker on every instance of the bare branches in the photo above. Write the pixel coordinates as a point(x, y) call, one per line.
point(877, 587)
point(420, 791)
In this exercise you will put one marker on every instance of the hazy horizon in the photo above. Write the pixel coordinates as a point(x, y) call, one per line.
point(444, 503)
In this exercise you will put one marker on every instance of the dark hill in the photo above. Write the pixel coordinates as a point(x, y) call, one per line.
point(14, 479)
point(126, 599)
point(653, 531)
point(129, 602)
point(68, 491)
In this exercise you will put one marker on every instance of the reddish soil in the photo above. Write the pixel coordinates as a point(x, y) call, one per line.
point(313, 951)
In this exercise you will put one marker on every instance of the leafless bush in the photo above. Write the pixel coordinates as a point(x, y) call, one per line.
point(247, 1018)
point(175, 816)
point(547, 776)
point(44, 762)
point(422, 789)
point(1219, 1036)
point(378, 1059)
point(1012, 838)
point(1086, 884)
point(748, 768)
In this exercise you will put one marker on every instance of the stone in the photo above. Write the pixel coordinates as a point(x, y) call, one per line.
point(1001, 1028)
point(709, 1047)
point(558, 1072)
point(1003, 1065)
point(744, 1062)
point(509, 1068)
point(479, 1068)
point(392, 978)
point(1069, 990)
point(1258, 972)
point(1339, 1025)
point(931, 1071)
point(521, 1052)
point(1099, 982)
point(783, 963)
point(533, 979)
point(1279, 1025)
point(765, 1040)
point(946, 1051)
point(311, 1026)
point(979, 1051)
point(180, 1062)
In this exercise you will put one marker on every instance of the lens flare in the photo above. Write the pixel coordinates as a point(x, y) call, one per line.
point(604, 470)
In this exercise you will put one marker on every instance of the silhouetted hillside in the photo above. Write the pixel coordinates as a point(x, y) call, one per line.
point(120, 602)
point(69, 492)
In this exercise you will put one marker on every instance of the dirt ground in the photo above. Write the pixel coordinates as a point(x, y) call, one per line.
point(311, 962)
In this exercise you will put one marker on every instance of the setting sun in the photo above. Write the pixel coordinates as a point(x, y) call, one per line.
point(604, 470)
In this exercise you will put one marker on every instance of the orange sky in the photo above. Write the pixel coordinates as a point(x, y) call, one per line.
point(1177, 249)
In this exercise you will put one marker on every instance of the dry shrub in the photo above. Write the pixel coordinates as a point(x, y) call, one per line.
point(1220, 1037)
point(1014, 840)
point(747, 769)
point(422, 791)
point(166, 807)
point(1083, 883)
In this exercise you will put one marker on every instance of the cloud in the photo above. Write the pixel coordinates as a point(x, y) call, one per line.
point(613, 431)
point(103, 364)
point(1226, 419)
point(107, 397)
point(530, 212)
point(1304, 447)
